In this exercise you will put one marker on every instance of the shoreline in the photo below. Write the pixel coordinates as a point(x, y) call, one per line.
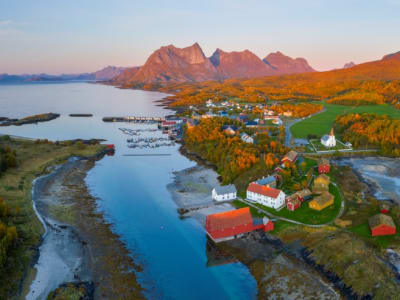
point(189, 192)
point(78, 242)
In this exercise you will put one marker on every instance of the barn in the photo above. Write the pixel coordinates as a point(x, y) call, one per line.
point(231, 224)
point(324, 166)
point(322, 201)
point(381, 224)
point(293, 202)
point(304, 194)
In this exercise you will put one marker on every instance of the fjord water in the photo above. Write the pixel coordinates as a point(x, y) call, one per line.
point(132, 190)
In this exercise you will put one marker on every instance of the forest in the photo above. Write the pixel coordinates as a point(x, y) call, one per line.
point(230, 154)
point(299, 110)
point(8, 232)
point(375, 82)
point(370, 130)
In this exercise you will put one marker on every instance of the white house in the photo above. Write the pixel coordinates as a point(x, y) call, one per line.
point(265, 195)
point(224, 193)
point(246, 138)
point(329, 141)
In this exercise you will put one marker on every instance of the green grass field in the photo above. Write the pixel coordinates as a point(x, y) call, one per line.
point(322, 123)
point(307, 215)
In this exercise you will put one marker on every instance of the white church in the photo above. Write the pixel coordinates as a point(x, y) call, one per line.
point(329, 141)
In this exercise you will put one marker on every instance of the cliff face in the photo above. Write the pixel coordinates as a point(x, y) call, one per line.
point(172, 64)
point(244, 64)
point(286, 65)
point(176, 65)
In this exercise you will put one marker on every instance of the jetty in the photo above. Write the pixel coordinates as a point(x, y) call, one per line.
point(81, 115)
point(134, 119)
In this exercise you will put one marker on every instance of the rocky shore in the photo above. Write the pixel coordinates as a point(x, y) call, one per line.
point(78, 243)
point(28, 120)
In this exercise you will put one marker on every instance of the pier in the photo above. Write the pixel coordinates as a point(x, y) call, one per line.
point(133, 119)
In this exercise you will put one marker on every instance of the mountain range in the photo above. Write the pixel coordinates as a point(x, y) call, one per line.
point(106, 73)
point(189, 64)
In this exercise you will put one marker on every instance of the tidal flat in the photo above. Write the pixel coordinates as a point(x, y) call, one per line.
point(78, 243)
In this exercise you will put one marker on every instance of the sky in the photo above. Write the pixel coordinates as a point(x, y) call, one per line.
point(74, 36)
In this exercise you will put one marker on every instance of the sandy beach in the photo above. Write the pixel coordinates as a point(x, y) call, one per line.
point(191, 191)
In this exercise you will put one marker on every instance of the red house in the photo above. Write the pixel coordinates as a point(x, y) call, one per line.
point(290, 157)
point(231, 224)
point(293, 203)
point(323, 166)
point(384, 208)
point(381, 224)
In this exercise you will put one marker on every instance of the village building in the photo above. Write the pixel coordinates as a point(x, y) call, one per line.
point(229, 129)
point(232, 224)
point(290, 157)
point(293, 203)
point(265, 195)
point(381, 224)
point(208, 115)
point(251, 124)
point(384, 208)
point(304, 195)
point(246, 138)
point(329, 141)
point(269, 181)
point(287, 113)
point(322, 201)
point(166, 125)
point(324, 166)
point(223, 114)
point(321, 184)
point(224, 193)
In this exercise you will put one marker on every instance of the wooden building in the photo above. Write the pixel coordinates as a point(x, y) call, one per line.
point(381, 224)
point(290, 157)
point(232, 224)
point(321, 184)
point(322, 201)
point(324, 166)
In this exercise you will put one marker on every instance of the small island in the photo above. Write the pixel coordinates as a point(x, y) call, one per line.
point(29, 120)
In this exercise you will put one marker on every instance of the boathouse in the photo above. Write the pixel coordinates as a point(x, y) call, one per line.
point(232, 224)
point(381, 224)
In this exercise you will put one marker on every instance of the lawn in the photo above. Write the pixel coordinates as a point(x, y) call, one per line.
point(306, 215)
point(382, 242)
point(322, 123)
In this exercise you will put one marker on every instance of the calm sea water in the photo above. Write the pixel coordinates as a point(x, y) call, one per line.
point(132, 190)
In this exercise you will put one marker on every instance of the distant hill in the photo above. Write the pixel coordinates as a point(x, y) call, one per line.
point(104, 74)
point(286, 65)
point(349, 65)
point(171, 64)
point(375, 82)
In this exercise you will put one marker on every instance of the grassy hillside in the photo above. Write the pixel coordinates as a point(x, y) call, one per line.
point(321, 124)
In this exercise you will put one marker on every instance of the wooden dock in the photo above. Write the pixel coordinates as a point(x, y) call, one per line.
point(134, 119)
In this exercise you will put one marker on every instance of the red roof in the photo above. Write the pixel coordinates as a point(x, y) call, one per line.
point(229, 219)
point(167, 123)
point(263, 190)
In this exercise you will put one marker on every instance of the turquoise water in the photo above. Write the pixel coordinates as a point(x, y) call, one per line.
point(132, 190)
